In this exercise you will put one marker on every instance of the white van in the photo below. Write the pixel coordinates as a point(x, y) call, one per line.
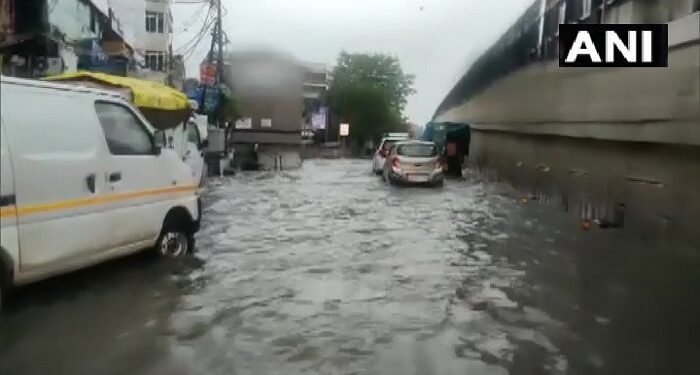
point(84, 179)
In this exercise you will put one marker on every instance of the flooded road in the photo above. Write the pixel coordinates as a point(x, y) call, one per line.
point(326, 270)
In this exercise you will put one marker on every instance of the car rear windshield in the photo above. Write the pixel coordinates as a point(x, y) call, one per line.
point(387, 144)
point(417, 150)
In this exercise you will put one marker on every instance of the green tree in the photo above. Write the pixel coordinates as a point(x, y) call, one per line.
point(369, 91)
point(229, 109)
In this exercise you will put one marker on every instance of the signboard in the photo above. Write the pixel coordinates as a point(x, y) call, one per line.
point(244, 123)
point(618, 45)
point(344, 130)
point(266, 123)
point(207, 75)
point(211, 100)
point(318, 118)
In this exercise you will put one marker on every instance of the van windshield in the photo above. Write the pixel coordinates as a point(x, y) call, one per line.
point(417, 150)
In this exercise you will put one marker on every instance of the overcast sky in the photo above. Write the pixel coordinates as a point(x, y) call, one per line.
point(434, 39)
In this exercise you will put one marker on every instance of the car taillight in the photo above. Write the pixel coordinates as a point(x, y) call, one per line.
point(395, 163)
point(438, 165)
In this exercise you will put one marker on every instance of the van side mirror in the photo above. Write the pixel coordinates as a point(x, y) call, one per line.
point(158, 141)
point(204, 144)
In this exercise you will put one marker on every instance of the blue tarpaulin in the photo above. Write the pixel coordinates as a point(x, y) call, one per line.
point(211, 100)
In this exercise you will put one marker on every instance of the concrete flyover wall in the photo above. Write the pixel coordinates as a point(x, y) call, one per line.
point(591, 140)
point(642, 104)
point(659, 184)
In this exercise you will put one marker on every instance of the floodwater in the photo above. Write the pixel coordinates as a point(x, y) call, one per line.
point(327, 270)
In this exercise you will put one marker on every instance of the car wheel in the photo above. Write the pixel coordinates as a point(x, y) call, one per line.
point(440, 183)
point(174, 242)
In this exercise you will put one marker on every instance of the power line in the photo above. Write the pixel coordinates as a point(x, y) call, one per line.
point(200, 37)
point(208, 21)
point(193, 48)
point(192, 44)
point(191, 21)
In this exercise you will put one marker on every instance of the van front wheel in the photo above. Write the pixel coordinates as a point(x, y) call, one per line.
point(173, 243)
point(4, 286)
point(3, 294)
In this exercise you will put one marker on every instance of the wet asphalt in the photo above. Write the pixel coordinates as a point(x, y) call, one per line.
point(327, 270)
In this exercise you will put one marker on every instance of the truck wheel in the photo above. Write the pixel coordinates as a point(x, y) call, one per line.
point(174, 242)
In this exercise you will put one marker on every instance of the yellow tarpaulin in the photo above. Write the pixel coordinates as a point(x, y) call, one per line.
point(163, 106)
point(145, 94)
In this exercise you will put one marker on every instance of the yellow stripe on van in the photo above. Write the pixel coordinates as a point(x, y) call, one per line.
point(7, 211)
point(83, 202)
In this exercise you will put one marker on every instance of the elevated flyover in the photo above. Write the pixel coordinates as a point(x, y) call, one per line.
point(594, 140)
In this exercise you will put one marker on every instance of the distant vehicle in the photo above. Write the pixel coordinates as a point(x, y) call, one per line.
point(413, 162)
point(397, 135)
point(380, 155)
point(84, 185)
point(189, 141)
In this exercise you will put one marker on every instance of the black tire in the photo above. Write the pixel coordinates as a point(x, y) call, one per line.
point(5, 284)
point(175, 241)
point(438, 184)
point(4, 287)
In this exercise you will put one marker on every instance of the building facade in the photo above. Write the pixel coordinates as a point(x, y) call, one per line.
point(39, 38)
point(156, 37)
point(316, 114)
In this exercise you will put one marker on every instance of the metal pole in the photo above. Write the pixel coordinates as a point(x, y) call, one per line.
point(328, 119)
point(220, 35)
point(170, 65)
point(210, 56)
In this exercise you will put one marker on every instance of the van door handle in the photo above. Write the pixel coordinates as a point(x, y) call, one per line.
point(115, 176)
point(90, 181)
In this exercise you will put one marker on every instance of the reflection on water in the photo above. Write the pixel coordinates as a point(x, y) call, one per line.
point(327, 270)
point(651, 189)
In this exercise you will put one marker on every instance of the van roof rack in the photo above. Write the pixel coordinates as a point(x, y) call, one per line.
point(58, 86)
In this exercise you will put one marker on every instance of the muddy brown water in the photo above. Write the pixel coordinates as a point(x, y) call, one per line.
point(326, 270)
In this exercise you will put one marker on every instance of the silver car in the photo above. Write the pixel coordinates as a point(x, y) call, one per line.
point(413, 162)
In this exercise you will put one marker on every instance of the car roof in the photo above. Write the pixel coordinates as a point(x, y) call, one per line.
point(395, 138)
point(392, 139)
point(396, 135)
point(415, 142)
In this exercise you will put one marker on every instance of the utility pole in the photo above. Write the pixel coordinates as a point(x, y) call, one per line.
point(220, 72)
point(220, 35)
point(170, 65)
